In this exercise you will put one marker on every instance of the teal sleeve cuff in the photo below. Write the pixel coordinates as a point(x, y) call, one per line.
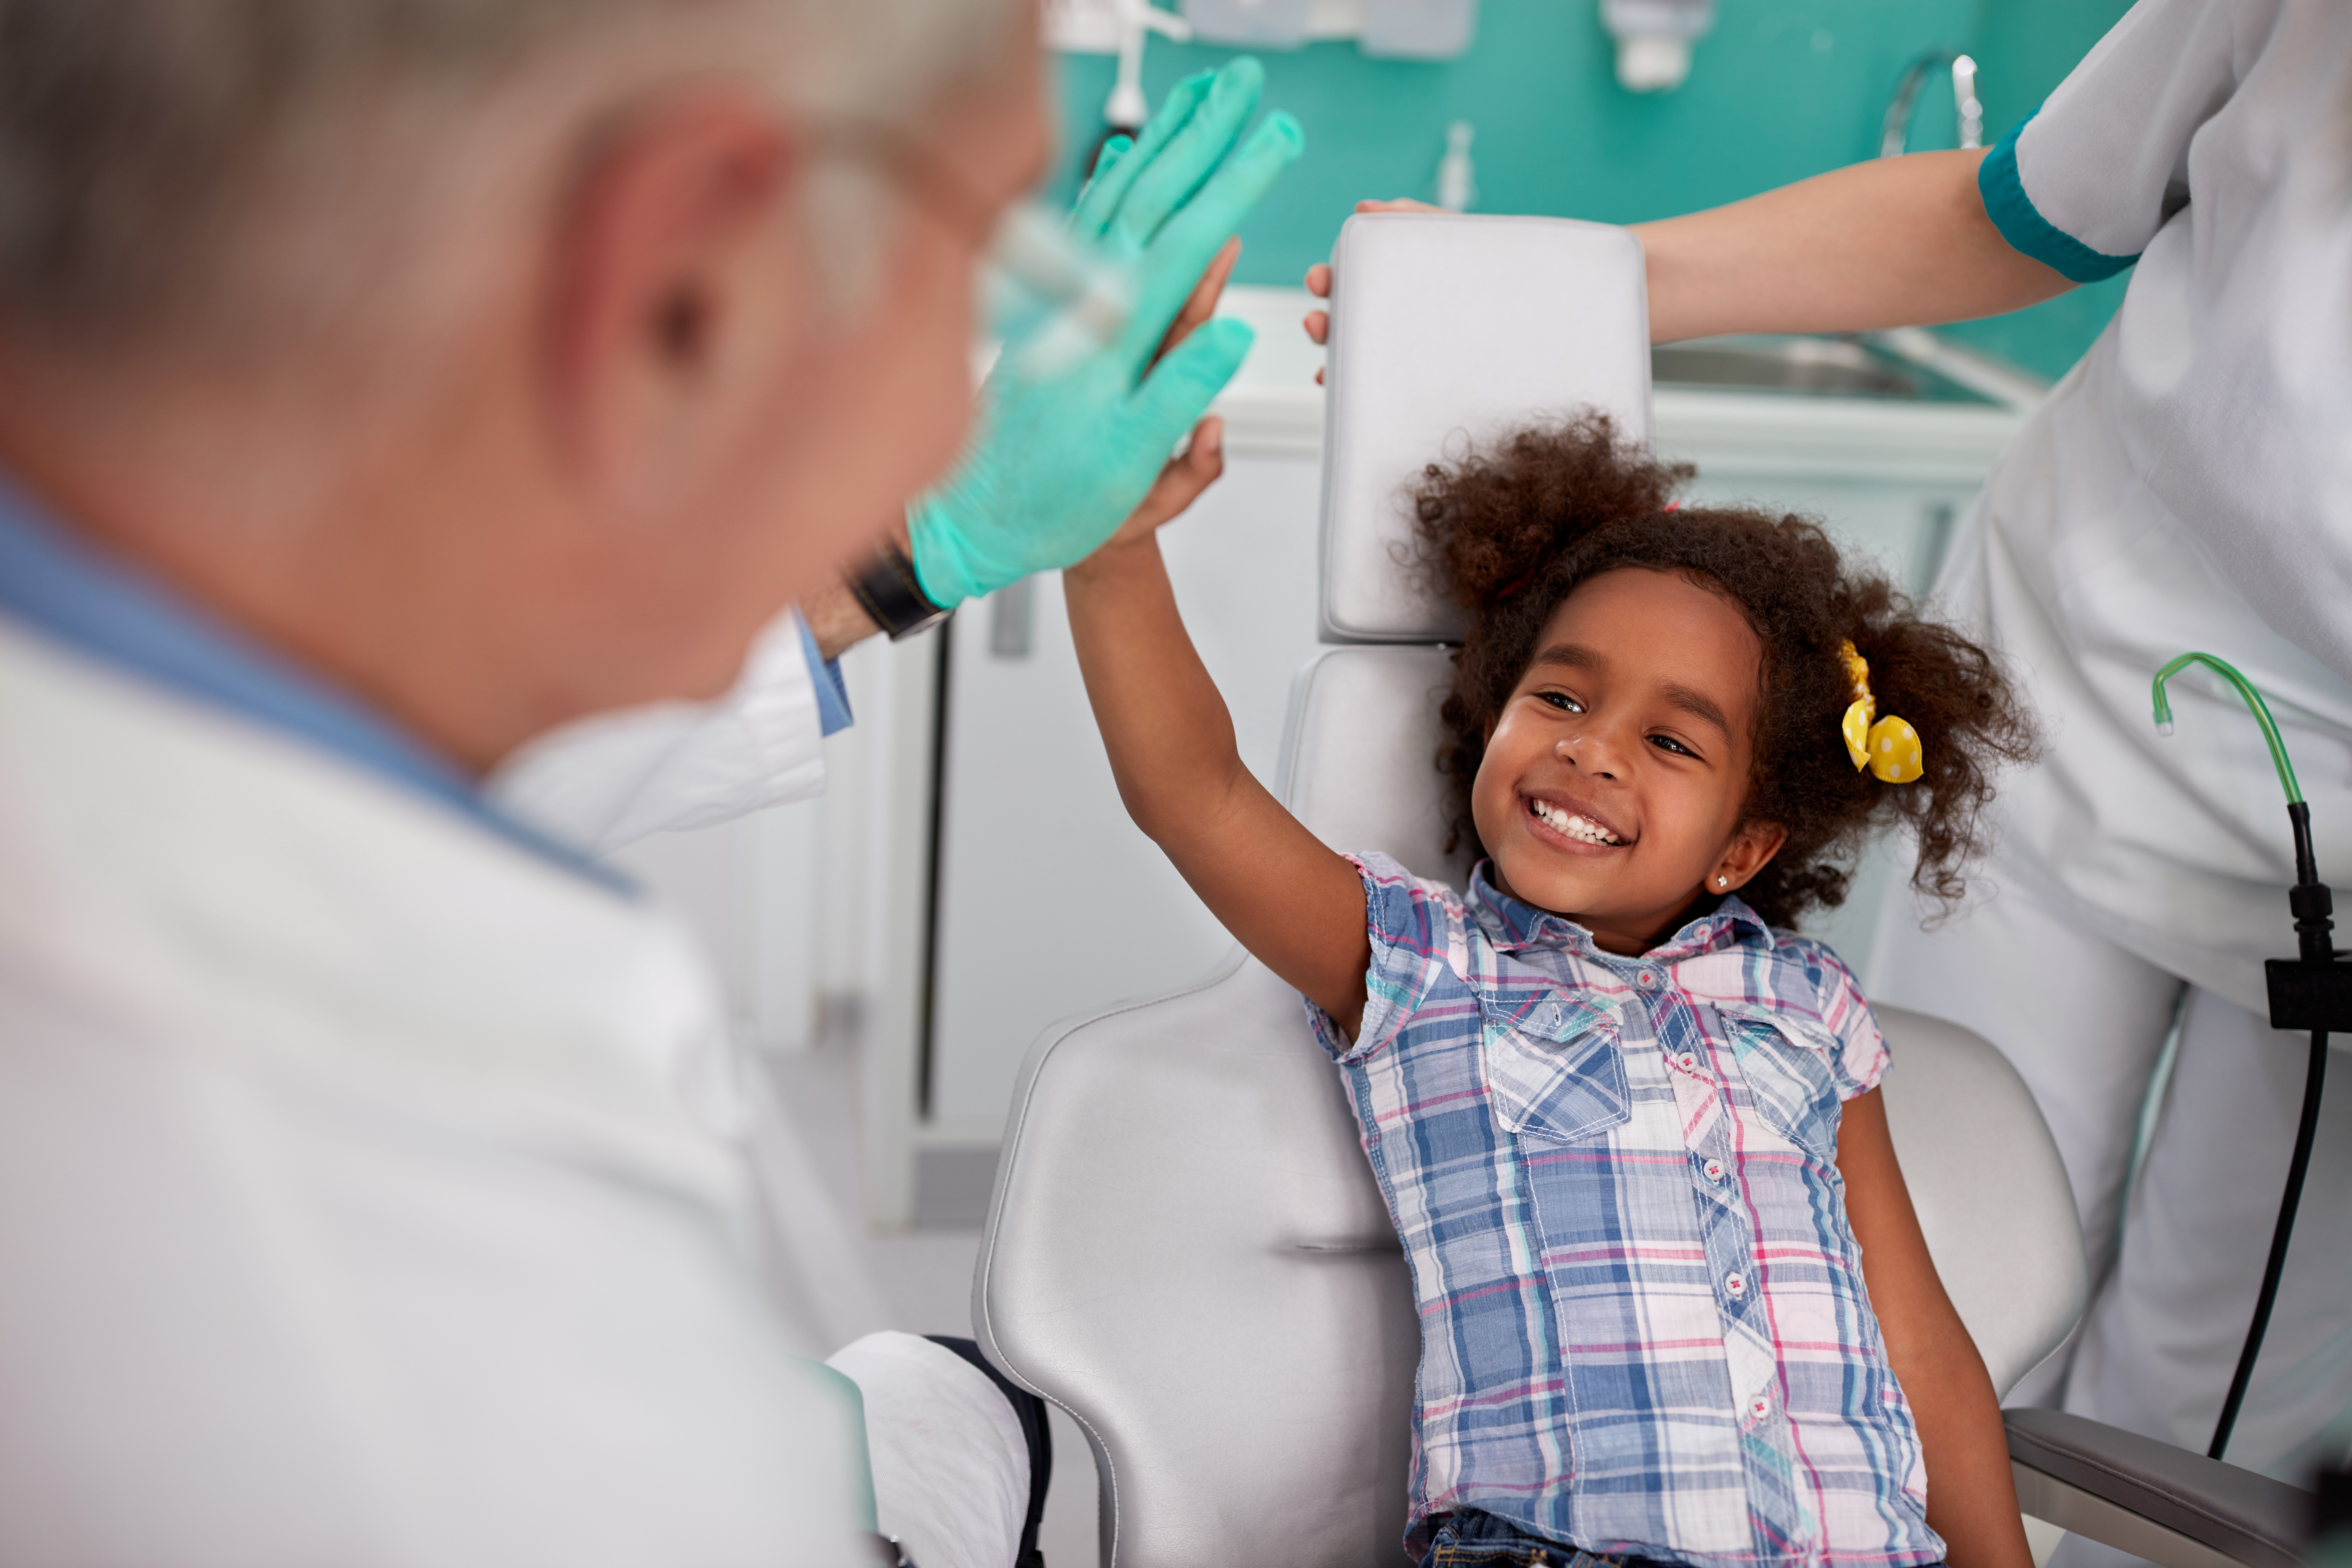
point(2022, 224)
point(832, 694)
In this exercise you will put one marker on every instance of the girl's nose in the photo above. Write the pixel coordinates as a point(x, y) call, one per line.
point(1587, 756)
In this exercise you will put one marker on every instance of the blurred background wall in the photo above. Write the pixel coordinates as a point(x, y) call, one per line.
point(1777, 92)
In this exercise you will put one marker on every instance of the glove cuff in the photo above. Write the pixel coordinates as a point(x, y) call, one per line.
point(942, 562)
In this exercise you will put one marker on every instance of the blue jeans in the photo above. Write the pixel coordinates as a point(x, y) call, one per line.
point(1476, 1540)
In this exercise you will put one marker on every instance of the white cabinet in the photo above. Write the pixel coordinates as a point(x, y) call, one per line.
point(1050, 901)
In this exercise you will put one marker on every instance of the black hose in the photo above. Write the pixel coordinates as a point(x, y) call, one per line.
point(2315, 1079)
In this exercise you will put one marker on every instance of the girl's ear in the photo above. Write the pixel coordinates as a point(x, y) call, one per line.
point(1750, 850)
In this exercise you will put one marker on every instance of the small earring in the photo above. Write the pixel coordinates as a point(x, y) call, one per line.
point(1723, 881)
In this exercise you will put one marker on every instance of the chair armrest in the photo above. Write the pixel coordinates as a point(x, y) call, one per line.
point(2166, 1502)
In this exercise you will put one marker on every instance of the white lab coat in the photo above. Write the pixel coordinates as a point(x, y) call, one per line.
point(2188, 487)
point(612, 779)
point(365, 1194)
point(951, 1473)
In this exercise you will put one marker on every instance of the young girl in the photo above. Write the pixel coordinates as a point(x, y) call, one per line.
point(1674, 1302)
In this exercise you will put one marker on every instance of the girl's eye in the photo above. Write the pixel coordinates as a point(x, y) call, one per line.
point(1668, 744)
point(1562, 700)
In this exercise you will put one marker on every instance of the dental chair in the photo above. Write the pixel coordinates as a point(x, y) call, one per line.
point(1185, 1248)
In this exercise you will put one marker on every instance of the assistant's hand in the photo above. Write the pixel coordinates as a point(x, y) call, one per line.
point(1059, 461)
point(1318, 276)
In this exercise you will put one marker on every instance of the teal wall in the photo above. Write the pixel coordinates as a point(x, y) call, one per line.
point(1777, 92)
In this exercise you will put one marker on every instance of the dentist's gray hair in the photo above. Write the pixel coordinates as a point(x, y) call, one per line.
point(224, 169)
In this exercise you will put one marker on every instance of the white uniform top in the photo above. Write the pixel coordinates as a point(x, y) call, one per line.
point(2188, 486)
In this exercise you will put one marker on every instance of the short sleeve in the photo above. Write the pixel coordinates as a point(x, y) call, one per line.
point(2084, 183)
point(1417, 933)
point(1857, 1051)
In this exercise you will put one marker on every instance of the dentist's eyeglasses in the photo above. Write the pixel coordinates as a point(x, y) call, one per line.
point(1049, 298)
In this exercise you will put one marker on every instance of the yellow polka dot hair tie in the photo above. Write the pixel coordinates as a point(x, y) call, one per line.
point(1889, 748)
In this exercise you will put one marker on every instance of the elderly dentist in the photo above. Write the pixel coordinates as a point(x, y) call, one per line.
point(2188, 486)
point(383, 384)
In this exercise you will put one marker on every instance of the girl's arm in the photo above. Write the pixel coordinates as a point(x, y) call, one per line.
point(1971, 1498)
point(1297, 905)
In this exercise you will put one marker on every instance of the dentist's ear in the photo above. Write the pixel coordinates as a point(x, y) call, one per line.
point(672, 281)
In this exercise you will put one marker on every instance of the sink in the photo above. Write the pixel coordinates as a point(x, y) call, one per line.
point(1909, 366)
point(1825, 367)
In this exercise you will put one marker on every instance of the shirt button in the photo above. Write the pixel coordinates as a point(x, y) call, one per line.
point(1759, 1408)
point(1688, 1062)
point(1736, 1283)
point(1713, 1170)
point(1648, 979)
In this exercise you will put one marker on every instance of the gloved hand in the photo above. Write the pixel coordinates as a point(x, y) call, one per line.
point(1059, 459)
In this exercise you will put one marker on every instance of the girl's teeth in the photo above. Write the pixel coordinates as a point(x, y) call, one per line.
point(1574, 826)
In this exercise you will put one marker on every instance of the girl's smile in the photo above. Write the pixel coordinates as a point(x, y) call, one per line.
point(1580, 825)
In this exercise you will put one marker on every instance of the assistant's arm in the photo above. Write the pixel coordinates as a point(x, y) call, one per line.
point(1894, 242)
point(1295, 904)
point(1971, 1499)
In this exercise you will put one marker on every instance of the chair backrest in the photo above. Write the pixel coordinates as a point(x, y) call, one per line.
point(1446, 331)
point(1186, 1249)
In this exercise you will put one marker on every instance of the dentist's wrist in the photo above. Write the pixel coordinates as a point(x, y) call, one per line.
point(886, 587)
point(835, 618)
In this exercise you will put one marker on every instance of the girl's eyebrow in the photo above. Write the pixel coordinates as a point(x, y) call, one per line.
point(1569, 655)
point(1698, 704)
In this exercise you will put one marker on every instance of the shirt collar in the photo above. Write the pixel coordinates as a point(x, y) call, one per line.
point(61, 585)
point(1514, 925)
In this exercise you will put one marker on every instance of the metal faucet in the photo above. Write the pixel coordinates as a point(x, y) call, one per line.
point(1988, 378)
point(1906, 100)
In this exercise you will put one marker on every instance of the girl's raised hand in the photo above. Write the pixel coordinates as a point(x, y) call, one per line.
point(1180, 484)
point(1198, 466)
point(1201, 303)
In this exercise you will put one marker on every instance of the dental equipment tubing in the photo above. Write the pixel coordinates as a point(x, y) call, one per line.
point(2311, 990)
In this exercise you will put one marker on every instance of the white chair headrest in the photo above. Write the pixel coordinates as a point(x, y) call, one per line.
point(1447, 331)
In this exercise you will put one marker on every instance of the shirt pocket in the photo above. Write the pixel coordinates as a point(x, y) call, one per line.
point(1555, 1070)
point(1792, 1077)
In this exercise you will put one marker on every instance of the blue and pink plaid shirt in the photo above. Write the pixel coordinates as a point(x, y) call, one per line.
point(1643, 1325)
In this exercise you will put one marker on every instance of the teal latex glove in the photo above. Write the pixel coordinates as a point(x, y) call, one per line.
point(1058, 460)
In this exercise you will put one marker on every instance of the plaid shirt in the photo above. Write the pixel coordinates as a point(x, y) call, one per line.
point(1644, 1326)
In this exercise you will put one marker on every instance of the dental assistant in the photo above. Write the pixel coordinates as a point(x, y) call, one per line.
point(2188, 486)
point(372, 1178)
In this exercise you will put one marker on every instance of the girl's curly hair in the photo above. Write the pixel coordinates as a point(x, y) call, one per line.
point(1509, 531)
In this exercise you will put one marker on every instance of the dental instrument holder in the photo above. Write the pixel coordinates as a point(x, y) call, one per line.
point(2311, 990)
